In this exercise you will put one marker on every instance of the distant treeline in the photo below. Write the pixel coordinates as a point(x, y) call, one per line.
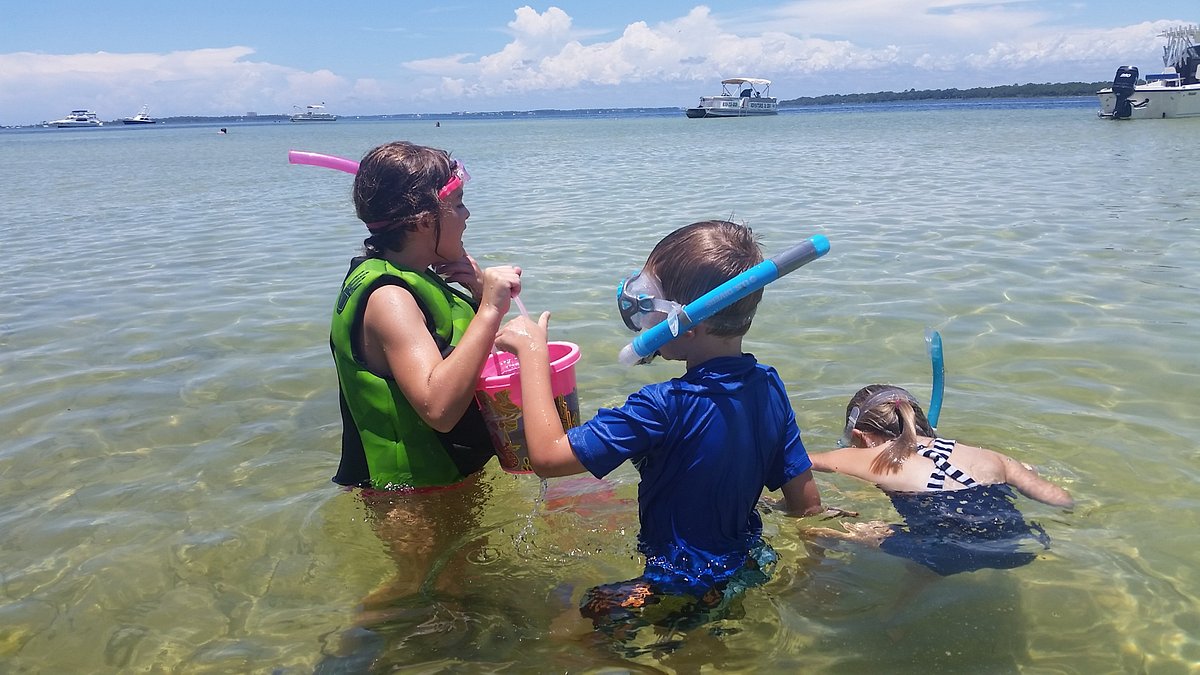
point(1060, 89)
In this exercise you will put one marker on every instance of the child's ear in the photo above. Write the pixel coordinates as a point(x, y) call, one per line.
point(427, 222)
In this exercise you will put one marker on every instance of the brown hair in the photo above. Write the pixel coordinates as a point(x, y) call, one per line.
point(898, 417)
point(395, 189)
point(697, 258)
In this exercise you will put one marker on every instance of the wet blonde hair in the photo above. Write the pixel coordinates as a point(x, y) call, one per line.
point(895, 414)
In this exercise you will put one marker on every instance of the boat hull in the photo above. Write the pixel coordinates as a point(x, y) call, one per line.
point(696, 113)
point(78, 119)
point(730, 106)
point(1152, 102)
point(134, 121)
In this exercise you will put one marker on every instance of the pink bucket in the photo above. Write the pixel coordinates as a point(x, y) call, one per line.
point(499, 396)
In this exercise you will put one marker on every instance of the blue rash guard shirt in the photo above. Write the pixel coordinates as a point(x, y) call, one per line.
point(705, 445)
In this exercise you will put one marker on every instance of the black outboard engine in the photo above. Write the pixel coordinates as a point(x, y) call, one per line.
point(1122, 86)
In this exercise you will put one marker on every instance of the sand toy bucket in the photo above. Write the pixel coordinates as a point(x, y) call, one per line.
point(499, 396)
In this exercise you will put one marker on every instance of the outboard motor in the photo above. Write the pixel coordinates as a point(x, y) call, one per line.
point(1122, 86)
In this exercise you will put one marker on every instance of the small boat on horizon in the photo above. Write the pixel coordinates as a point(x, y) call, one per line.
point(749, 97)
point(314, 113)
point(143, 117)
point(77, 119)
point(1165, 95)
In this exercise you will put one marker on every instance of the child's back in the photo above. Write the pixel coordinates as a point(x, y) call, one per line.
point(955, 500)
point(705, 445)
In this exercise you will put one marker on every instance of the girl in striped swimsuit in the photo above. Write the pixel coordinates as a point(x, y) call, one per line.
point(956, 500)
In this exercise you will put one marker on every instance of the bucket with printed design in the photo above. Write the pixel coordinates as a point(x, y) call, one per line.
point(499, 396)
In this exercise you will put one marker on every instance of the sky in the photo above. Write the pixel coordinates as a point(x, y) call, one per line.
point(222, 57)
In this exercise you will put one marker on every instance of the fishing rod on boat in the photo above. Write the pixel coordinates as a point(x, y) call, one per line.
point(646, 344)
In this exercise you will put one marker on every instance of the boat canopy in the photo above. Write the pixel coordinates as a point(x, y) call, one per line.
point(758, 82)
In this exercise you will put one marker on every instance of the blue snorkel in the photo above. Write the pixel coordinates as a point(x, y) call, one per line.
point(933, 340)
point(649, 342)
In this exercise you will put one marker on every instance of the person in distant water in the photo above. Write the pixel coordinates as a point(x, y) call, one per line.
point(409, 347)
point(222, 130)
point(956, 500)
point(705, 444)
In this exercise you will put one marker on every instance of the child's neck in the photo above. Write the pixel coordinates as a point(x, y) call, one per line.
point(708, 347)
point(408, 260)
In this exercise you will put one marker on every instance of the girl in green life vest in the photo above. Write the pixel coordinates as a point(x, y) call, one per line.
point(408, 347)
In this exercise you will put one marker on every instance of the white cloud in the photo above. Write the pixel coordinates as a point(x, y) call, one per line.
point(199, 82)
point(544, 53)
point(977, 42)
point(806, 47)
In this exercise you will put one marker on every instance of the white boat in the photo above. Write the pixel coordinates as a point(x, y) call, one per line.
point(143, 117)
point(1175, 93)
point(314, 113)
point(77, 118)
point(740, 97)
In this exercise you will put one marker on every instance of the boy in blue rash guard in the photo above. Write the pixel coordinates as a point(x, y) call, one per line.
point(705, 444)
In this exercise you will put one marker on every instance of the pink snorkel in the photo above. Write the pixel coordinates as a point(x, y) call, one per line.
point(327, 161)
point(458, 171)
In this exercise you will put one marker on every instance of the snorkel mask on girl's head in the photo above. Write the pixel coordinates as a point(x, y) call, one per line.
point(458, 178)
point(639, 296)
point(887, 395)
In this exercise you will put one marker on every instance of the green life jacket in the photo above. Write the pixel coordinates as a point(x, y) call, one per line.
point(385, 443)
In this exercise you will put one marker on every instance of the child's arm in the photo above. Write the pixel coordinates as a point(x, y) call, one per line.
point(550, 452)
point(801, 497)
point(824, 461)
point(1028, 483)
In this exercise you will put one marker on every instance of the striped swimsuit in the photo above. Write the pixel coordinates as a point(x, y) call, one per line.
point(939, 454)
point(953, 531)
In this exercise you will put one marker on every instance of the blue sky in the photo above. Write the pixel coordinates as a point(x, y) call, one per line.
point(367, 58)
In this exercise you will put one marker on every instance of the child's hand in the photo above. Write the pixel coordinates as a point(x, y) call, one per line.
point(832, 512)
point(872, 532)
point(499, 285)
point(463, 271)
point(521, 334)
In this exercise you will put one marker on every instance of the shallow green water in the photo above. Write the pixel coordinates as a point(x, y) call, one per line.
point(170, 415)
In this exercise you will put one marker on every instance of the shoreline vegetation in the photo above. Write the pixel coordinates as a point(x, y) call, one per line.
point(1013, 91)
point(1057, 90)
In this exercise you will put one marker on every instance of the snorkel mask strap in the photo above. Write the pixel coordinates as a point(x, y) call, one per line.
point(673, 316)
point(851, 421)
point(458, 178)
point(887, 395)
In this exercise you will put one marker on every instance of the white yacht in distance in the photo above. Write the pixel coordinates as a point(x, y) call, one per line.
point(314, 113)
point(749, 97)
point(143, 117)
point(1160, 95)
point(77, 118)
